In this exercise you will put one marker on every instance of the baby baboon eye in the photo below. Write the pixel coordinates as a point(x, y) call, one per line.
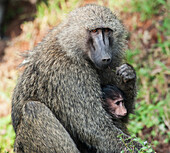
point(118, 102)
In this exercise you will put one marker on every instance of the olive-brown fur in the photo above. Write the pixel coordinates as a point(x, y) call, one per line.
point(56, 104)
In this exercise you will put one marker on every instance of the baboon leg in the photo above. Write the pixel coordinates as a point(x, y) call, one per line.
point(40, 131)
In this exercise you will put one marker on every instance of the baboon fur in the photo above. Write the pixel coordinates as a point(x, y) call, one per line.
point(56, 104)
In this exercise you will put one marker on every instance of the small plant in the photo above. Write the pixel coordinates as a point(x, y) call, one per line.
point(130, 147)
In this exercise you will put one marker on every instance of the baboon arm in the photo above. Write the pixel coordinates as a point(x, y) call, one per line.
point(40, 131)
point(94, 127)
point(86, 117)
point(110, 76)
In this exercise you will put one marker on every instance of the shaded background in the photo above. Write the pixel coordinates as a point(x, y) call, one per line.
point(25, 22)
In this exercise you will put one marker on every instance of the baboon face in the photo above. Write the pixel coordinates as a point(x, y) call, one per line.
point(96, 34)
point(99, 44)
point(117, 107)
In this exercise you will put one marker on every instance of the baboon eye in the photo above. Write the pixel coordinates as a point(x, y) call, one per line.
point(94, 31)
point(106, 30)
point(118, 102)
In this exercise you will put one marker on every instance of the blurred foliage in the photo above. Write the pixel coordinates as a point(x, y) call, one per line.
point(7, 135)
point(147, 8)
point(55, 10)
point(151, 120)
point(152, 112)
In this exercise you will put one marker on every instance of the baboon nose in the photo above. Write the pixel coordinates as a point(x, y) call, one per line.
point(106, 60)
point(125, 113)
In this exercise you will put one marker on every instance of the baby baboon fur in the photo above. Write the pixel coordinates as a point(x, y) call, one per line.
point(56, 104)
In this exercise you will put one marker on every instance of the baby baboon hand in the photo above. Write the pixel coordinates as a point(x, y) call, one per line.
point(126, 72)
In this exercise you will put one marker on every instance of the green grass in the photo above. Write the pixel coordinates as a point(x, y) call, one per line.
point(152, 108)
point(7, 135)
point(146, 8)
point(153, 95)
point(54, 11)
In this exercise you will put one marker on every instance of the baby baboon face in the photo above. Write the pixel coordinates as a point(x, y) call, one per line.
point(100, 47)
point(116, 107)
point(113, 101)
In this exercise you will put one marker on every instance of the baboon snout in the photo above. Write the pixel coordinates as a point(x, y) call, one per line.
point(123, 112)
point(102, 62)
point(105, 60)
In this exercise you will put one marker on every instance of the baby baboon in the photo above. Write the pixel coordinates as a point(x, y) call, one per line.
point(113, 101)
point(56, 104)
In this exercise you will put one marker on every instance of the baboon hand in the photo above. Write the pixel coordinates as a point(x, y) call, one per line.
point(126, 72)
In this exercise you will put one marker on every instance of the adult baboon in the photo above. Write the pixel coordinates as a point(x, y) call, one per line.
point(56, 105)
